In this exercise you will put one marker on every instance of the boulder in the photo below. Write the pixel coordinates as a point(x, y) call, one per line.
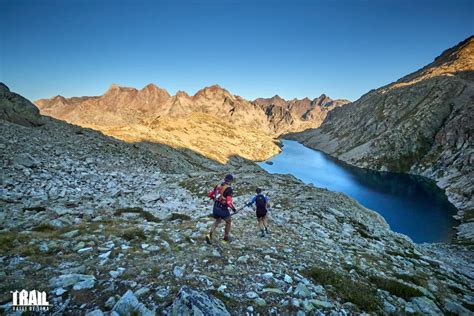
point(16, 109)
point(128, 305)
point(78, 281)
point(191, 302)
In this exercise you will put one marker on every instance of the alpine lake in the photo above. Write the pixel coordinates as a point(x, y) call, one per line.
point(411, 205)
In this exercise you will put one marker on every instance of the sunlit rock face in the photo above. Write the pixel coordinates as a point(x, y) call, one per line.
point(422, 124)
point(297, 115)
point(213, 122)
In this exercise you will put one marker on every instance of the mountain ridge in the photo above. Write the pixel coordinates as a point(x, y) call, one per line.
point(147, 114)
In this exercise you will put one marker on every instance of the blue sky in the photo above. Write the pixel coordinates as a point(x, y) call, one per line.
point(252, 48)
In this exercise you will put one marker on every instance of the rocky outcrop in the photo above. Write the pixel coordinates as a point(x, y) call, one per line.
point(421, 124)
point(294, 115)
point(106, 225)
point(191, 302)
point(16, 109)
point(128, 305)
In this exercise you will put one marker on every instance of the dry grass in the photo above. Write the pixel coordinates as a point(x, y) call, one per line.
point(359, 293)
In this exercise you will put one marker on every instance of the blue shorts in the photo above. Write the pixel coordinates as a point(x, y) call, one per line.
point(220, 211)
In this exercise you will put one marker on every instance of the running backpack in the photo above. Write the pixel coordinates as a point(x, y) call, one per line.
point(260, 202)
point(219, 193)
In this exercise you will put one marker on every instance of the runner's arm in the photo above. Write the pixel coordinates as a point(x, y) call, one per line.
point(252, 201)
point(228, 201)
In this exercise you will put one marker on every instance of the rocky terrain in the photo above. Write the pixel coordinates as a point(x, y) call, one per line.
point(199, 122)
point(108, 227)
point(297, 115)
point(421, 124)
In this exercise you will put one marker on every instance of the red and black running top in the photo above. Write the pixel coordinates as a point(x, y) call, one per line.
point(224, 194)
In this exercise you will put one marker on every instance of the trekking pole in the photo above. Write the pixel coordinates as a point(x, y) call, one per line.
point(238, 210)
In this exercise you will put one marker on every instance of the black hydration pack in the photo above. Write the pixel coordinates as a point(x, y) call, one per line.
point(260, 202)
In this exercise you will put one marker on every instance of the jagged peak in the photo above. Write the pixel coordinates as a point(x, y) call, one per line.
point(151, 87)
point(58, 97)
point(323, 96)
point(464, 47)
point(457, 59)
point(114, 88)
point(181, 93)
point(213, 88)
point(277, 97)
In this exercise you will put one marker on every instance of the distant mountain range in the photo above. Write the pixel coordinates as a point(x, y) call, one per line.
point(124, 106)
point(212, 122)
point(421, 124)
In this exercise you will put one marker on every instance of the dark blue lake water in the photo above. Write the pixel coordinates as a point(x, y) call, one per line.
point(411, 205)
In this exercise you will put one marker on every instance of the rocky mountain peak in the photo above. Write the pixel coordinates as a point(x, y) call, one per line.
point(113, 87)
point(182, 94)
point(462, 55)
point(116, 89)
point(214, 91)
point(151, 90)
point(457, 60)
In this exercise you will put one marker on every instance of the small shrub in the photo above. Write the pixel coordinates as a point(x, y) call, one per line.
point(7, 241)
point(395, 287)
point(349, 290)
point(133, 233)
point(35, 209)
point(175, 216)
point(146, 215)
point(411, 278)
point(45, 227)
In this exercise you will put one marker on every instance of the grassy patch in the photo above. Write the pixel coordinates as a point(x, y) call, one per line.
point(228, 302)
point(35, 209)
point(132, 233)
point(411, 255)
point(395, 287)
point(138, 210)
point(45, 227)
point(193, 187)
point(7, 241)
point(175, 216)
point(349, 290)
point(418, 280)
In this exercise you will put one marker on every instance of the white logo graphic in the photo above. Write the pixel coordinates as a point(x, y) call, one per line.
point(30, 301)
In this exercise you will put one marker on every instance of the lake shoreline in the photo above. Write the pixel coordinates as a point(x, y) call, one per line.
point(365, 185)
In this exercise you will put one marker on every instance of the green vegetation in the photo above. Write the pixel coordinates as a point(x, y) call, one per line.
point(175, 216)
point(133, 233)
point(347, 289)
point(410, 254)
point(138, 210)
point(35, 209)
point(228, 302)
point(7, 241)
point(418, 280)
point(45, 227)
point(363, 230)
point(395, 287)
